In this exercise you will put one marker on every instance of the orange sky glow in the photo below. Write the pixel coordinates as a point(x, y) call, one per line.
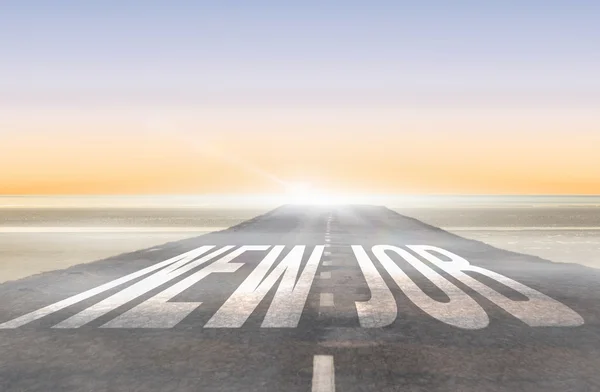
point(257, 150)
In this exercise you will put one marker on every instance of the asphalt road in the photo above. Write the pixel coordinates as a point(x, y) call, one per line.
point(352, 310)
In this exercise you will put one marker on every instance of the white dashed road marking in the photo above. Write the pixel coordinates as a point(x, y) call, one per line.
point(326, 300)
point(323, 374)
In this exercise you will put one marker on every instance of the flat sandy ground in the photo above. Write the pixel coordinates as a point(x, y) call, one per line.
point(34, 240)
point(560, 234)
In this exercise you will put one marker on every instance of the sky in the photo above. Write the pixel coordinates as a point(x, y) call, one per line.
point(386, 97)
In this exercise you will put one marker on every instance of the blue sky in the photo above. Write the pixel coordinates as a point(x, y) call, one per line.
point(233, 51)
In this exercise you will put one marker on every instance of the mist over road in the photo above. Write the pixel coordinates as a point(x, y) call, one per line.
point(348, 298)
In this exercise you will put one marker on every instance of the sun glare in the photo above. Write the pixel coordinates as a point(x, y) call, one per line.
point(298, 188)
point(305, 193)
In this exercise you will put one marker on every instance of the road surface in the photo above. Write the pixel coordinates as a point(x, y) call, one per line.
point(352, 298)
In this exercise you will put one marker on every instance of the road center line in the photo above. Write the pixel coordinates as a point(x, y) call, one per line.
point(323, 374)
point(326, 300)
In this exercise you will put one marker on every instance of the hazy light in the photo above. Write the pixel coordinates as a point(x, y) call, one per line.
point(305, 193)
point(301, 193)
point(298, 188)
